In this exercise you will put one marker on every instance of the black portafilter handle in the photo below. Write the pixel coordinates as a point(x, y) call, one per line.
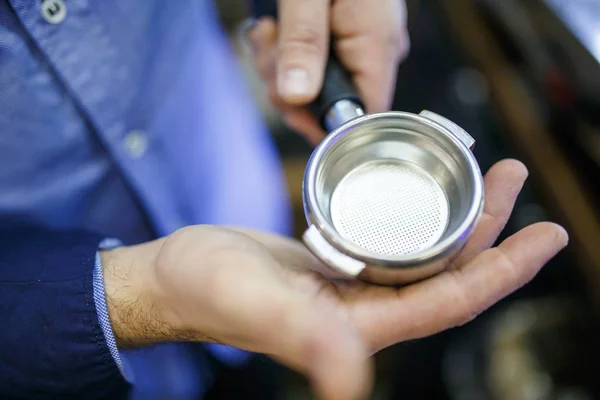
point(338, 101)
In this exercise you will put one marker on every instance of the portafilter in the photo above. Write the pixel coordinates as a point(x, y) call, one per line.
point(390, 198)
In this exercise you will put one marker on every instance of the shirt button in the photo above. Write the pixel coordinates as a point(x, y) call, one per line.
point(54, 11)
point(135, 144)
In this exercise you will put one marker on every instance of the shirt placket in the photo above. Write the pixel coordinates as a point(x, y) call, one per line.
point(91, 67)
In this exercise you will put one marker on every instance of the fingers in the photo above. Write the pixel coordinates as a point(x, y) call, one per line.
point(456, 297)
point(503, 183)
point(305, 123)
point(290, 56)
point(371, 42)
point(492, 275)
point(498, 272)
point(263, 42)
point(303, 49)
point(263, 39)
point(373, 71)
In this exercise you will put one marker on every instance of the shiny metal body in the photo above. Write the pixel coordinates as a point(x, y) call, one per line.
point(342, 112)
point(391, 198)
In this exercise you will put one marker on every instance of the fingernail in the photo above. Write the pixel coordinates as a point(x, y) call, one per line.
point(294, 83)
point(563, 235)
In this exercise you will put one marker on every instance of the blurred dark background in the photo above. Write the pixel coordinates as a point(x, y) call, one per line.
point(523, 78)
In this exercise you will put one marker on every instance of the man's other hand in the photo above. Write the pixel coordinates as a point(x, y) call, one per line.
point(369, 37)
point(260, 292)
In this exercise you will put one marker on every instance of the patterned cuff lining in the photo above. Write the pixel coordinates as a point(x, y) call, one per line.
point(102, 309)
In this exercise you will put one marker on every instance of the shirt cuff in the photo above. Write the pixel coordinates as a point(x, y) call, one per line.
point(229, 355)
point(102, 309)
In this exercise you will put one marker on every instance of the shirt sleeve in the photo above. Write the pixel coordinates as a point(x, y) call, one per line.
point(51, 342)
point(102, 309)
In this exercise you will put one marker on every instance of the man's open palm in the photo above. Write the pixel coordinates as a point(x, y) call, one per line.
point(478, 278)
point(259, 292)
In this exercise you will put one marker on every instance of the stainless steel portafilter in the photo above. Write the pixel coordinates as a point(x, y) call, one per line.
point(390, 198)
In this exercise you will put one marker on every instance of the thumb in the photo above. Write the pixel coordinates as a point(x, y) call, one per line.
point(309, 336)
point(303, 48)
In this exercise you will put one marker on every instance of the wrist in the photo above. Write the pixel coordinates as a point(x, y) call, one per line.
point(130, 288)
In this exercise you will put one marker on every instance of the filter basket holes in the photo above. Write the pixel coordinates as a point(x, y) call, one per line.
point(389, 207)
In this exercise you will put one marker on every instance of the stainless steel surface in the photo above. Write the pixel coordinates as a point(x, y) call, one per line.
point(342, 112)
point(392, 197)
point(389, 207)
point(456, 130)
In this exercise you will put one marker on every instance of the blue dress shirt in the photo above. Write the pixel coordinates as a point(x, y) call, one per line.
point(130, 118)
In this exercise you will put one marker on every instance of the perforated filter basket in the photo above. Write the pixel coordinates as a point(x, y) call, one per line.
point(391, 198)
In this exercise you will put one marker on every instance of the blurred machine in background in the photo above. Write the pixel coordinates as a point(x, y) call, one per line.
point(523, 77)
